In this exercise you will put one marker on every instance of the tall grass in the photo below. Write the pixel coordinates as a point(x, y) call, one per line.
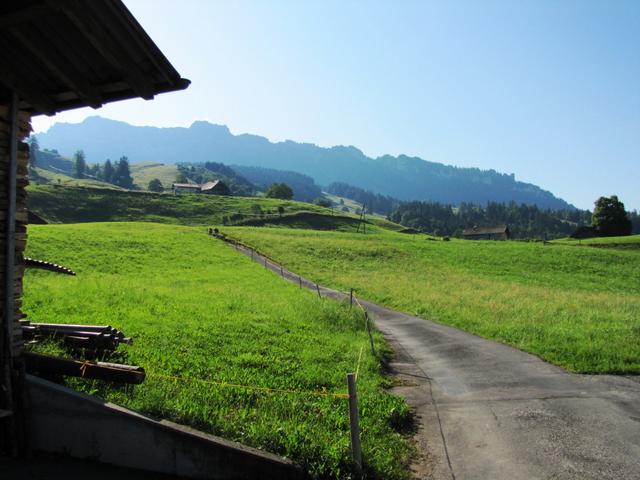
point(576, 307)
point(203, 317)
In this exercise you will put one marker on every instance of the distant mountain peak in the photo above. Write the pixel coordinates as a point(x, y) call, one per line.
point(402, 177)
point(204, 125)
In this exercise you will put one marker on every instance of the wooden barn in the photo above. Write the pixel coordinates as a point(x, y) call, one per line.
point(215, 187)
point(498, 232)
point(55, 55)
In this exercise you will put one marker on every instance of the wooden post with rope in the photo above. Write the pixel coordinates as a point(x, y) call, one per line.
point(368, 323)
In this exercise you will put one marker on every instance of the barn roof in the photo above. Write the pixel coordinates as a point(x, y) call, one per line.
point(187, 185)
point(64, 54)
point(495, 230)
point(209, 185)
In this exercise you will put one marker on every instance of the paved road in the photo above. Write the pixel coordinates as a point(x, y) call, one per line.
point(489, 411)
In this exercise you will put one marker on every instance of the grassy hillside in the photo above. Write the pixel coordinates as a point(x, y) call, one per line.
point(60, 179)
point(75, 204)
point(144, 172)
point(575, 307)
point(204, 317)
point(72, 205)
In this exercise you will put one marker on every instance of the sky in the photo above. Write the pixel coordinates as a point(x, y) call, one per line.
point(546, 89)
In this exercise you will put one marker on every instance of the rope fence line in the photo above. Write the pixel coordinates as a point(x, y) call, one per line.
point(352, 378)
point(237, 244)
point(317, 393)
point(359, 360)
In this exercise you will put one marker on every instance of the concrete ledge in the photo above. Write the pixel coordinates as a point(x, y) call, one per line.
point(68, 422)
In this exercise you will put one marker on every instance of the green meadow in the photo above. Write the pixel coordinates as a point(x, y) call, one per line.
point(228, 347)
point(572, 303)
point(75, 204)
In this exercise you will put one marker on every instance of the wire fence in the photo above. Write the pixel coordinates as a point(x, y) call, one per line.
point(352, 378)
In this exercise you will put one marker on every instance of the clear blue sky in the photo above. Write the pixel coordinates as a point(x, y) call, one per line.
point(548, 90)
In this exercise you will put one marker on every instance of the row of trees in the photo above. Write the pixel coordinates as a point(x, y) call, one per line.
point(117, 173)
point(525, 221)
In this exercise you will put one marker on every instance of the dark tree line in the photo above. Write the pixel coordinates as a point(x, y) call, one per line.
point(635, 222)
point(117, 173)
point(524, 221)
point(373, 201)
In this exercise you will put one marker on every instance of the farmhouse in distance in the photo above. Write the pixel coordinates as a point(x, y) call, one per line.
point(216, 187)
point(498, 232)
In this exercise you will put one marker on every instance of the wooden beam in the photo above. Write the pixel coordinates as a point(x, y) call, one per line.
point(26, 14)
point(101, 40)
point(42, 48)
point(15, 76)
point(112, 372)
point(36, 99)
point(145, 43)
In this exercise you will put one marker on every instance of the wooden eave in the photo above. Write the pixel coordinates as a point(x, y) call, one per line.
point(65, 54)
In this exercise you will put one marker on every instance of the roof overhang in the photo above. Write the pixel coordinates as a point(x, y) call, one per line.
point(65, 54)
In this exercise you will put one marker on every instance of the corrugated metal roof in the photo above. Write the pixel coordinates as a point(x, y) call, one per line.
point(64, 54)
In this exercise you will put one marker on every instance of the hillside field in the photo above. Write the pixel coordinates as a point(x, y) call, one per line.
point(576, 307)
point(62, 180)
point(143, 172)
point(58, 204)
point(206, 319)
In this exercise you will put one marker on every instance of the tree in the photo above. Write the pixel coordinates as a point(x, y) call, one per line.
point(280, 190)
point(280, 210)
point(79, 164)
point(34, 148)
point(181, 177)
point(610, 218)
point(108, 171)
point(323, 202)
point(155, 185)
point(256, 209)
point(122, 175)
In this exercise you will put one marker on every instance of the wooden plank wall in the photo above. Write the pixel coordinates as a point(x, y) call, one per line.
point(21, 213)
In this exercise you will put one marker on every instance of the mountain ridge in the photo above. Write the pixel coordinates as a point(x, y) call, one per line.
point(404, 177)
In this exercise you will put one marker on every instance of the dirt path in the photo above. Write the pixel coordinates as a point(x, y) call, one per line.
point(488, 411)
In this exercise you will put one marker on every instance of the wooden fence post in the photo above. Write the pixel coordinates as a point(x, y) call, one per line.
point(265, 262)
point(281, 271)
point(354, 424)
point(366, 318)
point(350, 297)
point(318, 290)
point(300, 280)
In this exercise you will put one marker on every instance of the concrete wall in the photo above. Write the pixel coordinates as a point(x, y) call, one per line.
point(78, 425)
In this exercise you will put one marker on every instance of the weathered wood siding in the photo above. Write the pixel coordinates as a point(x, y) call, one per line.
point(21, 214)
